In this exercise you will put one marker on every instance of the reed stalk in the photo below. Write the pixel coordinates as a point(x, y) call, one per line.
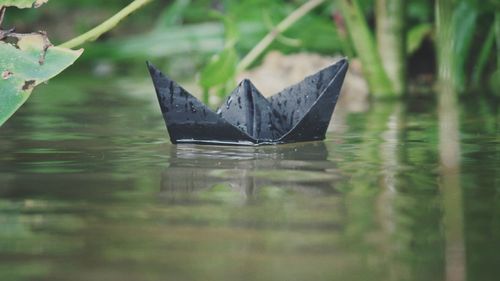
point(391, 43)
point(497, 35)
point(365, 47)
point(445, 37)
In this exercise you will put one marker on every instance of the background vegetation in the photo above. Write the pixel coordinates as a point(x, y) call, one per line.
point(399, 43)
point(411, 189)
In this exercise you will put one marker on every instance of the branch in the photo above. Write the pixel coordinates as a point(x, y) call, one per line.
point(104, 27)
point(273, 34)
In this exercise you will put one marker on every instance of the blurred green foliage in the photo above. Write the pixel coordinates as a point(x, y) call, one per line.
point(251, 20)
point(211, 36)
point(470, 58)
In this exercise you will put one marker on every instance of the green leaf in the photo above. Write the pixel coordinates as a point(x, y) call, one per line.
point(416, 36)
point(172, 15)
point(231, 32)
point(203, 38)
point(220, 69)
point(464, 23)
point(485, 6)
point(482, 59)
point(25, 66)
point(23, 3)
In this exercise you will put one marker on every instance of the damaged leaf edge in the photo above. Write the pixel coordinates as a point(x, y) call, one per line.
point(34, 4)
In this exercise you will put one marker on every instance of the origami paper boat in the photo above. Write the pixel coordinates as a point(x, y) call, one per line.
point(301, 112)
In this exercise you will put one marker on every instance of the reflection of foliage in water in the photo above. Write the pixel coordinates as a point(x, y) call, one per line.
point(84, 197)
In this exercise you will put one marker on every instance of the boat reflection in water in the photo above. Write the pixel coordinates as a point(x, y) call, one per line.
point(244, 170)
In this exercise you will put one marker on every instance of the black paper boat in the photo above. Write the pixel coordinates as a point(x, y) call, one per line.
point(301, 112)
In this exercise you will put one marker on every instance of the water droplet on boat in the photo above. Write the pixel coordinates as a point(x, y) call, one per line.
point(192, 107)
point(228, 102)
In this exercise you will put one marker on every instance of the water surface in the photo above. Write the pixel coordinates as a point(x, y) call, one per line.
point(91, 189)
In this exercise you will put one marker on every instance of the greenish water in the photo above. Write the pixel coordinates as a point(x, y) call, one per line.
point(91, 189)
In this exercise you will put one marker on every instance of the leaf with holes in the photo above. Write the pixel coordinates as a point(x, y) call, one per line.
point(26, 64)
point(23, 3)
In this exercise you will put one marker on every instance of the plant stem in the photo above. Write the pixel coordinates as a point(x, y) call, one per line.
point(104, 27)
point(280, 28)
point(445, 42)
point(391, 35)
point(2, 14)
point(497, 32)
point(364, 44)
